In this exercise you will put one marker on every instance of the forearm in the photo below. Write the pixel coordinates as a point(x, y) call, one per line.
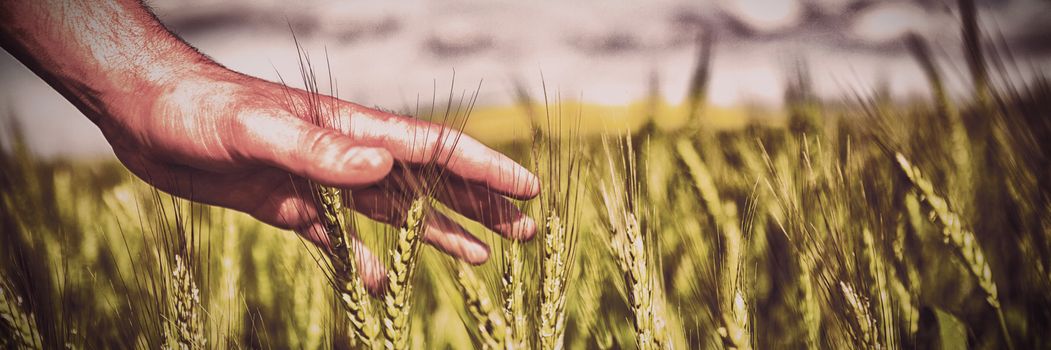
point(98, 54)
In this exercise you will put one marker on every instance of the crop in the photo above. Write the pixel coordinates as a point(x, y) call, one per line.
point(857, 223)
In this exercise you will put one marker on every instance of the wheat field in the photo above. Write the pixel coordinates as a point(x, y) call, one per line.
point(861, 223)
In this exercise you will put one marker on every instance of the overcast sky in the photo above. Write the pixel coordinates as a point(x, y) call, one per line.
point(385, 53)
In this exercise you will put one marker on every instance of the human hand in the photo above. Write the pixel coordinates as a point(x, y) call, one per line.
point(221, 138)
point(200, 131)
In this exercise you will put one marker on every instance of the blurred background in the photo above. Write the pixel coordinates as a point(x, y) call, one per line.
point(603, 52)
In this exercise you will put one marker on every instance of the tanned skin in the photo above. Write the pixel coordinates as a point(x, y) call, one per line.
point(197, 130)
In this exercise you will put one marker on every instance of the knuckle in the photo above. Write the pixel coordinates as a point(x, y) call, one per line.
point(320, 144)
point(314, 139)
point(243, 132)
point(238, 127)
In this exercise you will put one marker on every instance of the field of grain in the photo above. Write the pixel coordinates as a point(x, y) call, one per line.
point(863, 223)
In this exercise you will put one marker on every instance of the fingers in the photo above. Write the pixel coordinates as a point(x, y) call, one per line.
point(371, 270)
point(418, 141)
point(323, 155)
point(439, 231)
point(451, 238)
point(268, 195)
point(473, 201)
point(490, 209)
point(291, 208)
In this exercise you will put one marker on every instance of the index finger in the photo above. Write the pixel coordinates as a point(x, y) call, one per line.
point(417, 141)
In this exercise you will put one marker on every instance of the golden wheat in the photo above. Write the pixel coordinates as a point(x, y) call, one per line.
point(961, 239)
point(555, 264)
point(344, 272)
point(865, 325)
point(490, 320)
point(513, 293)
point(956, 235)
point(634, 256)
point(879, 289)
point(185, 324)
point(397, 301)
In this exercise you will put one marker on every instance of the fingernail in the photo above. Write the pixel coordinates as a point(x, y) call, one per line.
point(476, 254)
point(530, 185)
point(524, 228)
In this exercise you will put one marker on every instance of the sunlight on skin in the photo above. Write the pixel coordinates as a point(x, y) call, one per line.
point(199, 131)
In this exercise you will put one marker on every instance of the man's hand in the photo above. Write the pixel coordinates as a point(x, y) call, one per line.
point(199, 131)
point(225, 139)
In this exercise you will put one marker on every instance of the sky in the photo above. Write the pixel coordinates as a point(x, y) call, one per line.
point(604, 51)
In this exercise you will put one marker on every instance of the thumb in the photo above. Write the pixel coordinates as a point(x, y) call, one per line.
point(319, 154)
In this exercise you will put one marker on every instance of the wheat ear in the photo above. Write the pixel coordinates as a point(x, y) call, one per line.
point(492, 325)
point(953, 230)
point(396, 303)
point(859, 308)
point(879, 289)
point(637, 272)
point(555, 264)
point(956, 235)
point(514, 294)
point(630, 249)
point(345, 274)
point(186, 324)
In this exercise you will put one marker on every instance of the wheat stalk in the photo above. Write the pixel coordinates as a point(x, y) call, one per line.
point(185, 325)
point(18, 328)
point(906, 306)
point(632, 257)
point(734, 329)
point(396, 303)
point(230, 278)
point(878, 286)
point(974, 52)
point(513, 294)
point(904, 286)
point(859, 308)
point(557, 157)
point(953, 231)
point(344, 270)
point(956, 235)
point(491, 322)
point(637, 270)
point(631, 251)
point(308, 301)
point(555, 264)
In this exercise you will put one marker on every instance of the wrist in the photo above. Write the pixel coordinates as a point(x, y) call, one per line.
point(134, 82)
point(103, 56)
